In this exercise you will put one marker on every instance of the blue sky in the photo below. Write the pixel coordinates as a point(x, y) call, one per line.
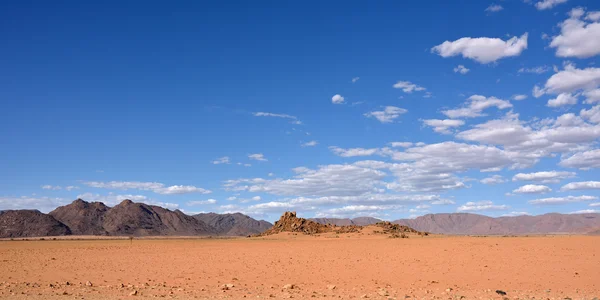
point(328, 108)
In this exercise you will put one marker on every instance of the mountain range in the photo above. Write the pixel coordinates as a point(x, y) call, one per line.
point(138, 219)
point(125, 219)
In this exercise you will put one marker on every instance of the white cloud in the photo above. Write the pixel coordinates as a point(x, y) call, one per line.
point(352, 152)
point(221, 160)
point(592, 114)
point(538, 138)
point(481, 206)
point(337, 99)
point(155, 187)
point(519, 97)
point(44, 204)
point(570, 80)
point(582, 185)
point(483, 50)
point(461, 69)
point(548, 4)
point(544, 176)
point(535, 70)
point(267, 114)
point(401, 144)
point(51, 187)
point(201, 202)
point(71, 187)
point(562, 200)
point(310, 144)
point(329, 180)
point(582, 160)
point(516, 214)
point(592, 96)
point(408, 87)
point(586, 211)
point(494, 8)
point(257, 156)
point(243, 164)
point(443, 126)
point(388, 115)
point(532, 189)
point(562, 100)
point(578, 38)
point(475, 106)
point(355, 79)
point(495, 179)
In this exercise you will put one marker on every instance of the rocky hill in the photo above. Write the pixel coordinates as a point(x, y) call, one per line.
point(26, 223)
point(236, 224)
point(83, 218)
point(473, 224)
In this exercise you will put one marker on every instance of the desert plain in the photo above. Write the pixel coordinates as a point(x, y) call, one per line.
point(293, 265)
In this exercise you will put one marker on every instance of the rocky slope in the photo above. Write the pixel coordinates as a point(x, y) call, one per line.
point(233, 224)
point(83, 218)
point(26, 223)
point(139, 219)
point(465, 223)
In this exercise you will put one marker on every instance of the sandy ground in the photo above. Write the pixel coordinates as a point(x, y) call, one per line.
point(296, 266)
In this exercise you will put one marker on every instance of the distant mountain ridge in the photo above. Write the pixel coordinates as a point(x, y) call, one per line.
point(233, 224)
point(126, 218)
point(473, 224)
point(359, 221)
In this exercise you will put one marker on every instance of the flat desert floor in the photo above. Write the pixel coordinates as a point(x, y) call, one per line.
point(297, 266)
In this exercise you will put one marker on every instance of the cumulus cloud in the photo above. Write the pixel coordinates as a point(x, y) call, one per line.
point(494, 8)
point(71, 187)
point(475, 105)
point(592, 114)
point(579, 36)
point(548, 4)
point(582, 185)
point(461, 69)
point(532, 189)
point(310, 144)
point(443, 126)
point(201, 202)
point(481, 206)
point(388, 115)
point(562, 100)
point(582, 160)
point(484, 49)
point(544, 176)
point(408, 87)
point(495, 179)
point(562, 200)
point(570, 80)
point(155, 187)
point(221, 160)
point(257, 156)
point(592, 96)
point(337, 99)
point(538, 138)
